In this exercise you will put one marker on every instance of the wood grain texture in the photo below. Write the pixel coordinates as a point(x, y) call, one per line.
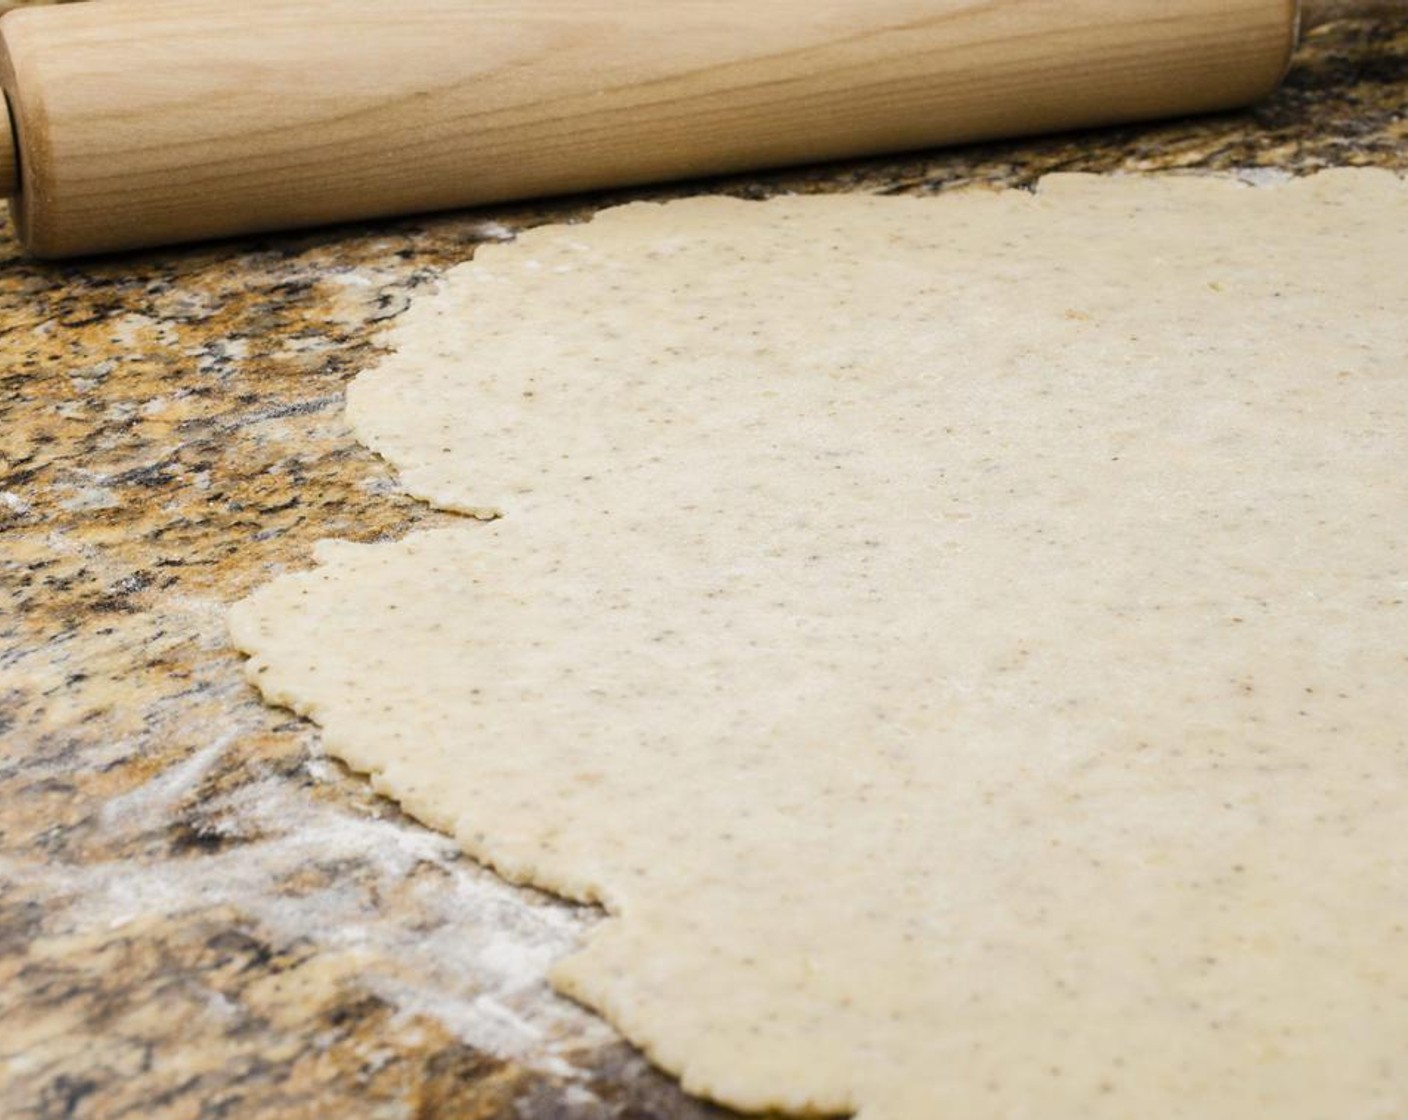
point(153, 121)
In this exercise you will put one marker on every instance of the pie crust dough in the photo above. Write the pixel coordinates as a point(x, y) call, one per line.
point(961, 641)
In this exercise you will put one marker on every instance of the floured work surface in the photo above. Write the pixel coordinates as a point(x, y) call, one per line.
point(962, 641)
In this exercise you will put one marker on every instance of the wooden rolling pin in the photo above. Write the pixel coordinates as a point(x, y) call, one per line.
point(142, 122)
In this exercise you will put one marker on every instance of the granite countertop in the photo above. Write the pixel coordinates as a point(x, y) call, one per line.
point(201, 916)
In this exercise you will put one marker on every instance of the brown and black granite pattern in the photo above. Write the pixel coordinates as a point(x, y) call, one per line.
point(200, 916)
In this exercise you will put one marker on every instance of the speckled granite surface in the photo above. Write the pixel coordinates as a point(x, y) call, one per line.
point(199, 916)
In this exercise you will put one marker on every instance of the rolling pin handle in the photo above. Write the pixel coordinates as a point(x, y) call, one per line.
point(9, 153)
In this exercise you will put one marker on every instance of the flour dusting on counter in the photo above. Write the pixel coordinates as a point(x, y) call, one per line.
point(461, 946)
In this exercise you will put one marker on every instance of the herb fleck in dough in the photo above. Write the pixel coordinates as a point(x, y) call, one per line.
point(962, 640)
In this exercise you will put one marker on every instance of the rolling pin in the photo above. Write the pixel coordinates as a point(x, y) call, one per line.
point(146, 122)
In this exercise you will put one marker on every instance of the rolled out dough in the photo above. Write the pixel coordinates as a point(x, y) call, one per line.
point(962, 641)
